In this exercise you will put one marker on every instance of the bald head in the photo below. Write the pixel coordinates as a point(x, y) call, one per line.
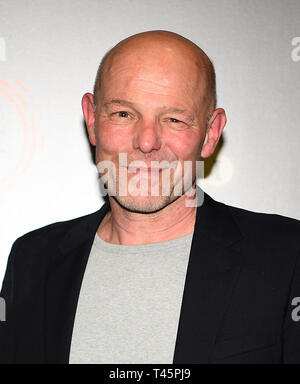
point(159, 46)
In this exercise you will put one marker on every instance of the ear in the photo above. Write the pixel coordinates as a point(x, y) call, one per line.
point(214, 130)
point(89, 115)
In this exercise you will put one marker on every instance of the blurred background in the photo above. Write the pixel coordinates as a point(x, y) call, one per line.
point(49, 55)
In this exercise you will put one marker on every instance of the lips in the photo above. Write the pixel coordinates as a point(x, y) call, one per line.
point(144, 169)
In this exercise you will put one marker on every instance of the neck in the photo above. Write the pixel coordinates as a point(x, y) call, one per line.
point(121, 226)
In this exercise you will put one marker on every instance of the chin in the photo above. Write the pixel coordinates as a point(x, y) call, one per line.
point(144, 204)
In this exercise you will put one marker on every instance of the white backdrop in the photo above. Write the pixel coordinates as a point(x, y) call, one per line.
point(49, 54)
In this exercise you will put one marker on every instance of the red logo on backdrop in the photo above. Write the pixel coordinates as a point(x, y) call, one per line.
point(18, 136)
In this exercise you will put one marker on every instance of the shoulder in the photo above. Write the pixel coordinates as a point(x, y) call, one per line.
point(251, 222)
point(37, 249)
point(270, 241)
point(270, 245)
point(32, 253)
point(263, 237)
point(269, 225)
point(52, 233)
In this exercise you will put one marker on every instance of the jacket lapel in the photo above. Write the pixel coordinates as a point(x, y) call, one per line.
point(212, 272)
point(64, 283)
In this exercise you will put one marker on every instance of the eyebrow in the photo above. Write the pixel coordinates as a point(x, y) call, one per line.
point(119, 102)
point(165, 109)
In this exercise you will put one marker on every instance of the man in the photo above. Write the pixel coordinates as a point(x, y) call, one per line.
point(152, 277)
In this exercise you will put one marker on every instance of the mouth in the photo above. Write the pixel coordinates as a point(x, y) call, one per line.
point(145, 170)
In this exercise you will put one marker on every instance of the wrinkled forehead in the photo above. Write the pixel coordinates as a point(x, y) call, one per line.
point(172, 65)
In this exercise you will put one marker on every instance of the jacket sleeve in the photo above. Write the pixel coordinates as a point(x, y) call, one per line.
point(291, 331)
point(7, 300)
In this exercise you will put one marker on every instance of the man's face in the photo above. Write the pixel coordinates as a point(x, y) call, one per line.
point(151, 108)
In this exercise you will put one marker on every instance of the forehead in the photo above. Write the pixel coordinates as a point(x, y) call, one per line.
point(161, 70)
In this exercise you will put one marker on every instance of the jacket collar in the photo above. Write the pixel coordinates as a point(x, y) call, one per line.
point(83, 230)
point(213, 220)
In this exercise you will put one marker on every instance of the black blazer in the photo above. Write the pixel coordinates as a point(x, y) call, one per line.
point(242, 275)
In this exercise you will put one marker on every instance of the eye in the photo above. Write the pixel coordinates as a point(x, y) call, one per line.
point(175, 123)
point(121, 117)
point(172, 120)
point(123, 114)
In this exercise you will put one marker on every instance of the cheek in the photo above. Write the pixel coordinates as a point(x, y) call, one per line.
point(186, 145)
point(112, 139)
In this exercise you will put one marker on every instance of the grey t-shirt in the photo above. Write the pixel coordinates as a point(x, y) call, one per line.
point(129, 304)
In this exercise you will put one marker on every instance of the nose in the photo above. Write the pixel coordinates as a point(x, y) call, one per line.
point(147, 137)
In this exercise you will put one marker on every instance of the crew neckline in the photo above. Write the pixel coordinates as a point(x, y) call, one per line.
point(117, 248)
